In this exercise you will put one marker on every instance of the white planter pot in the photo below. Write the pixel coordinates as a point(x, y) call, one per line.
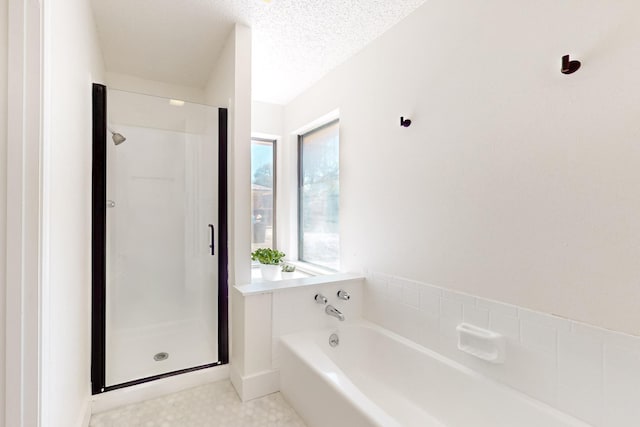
point(287, 275)
point(269, 272)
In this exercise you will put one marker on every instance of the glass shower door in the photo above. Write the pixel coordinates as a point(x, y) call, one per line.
point(161, 296)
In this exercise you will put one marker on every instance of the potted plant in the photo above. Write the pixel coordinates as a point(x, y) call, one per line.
point(288, 270)
point(269, 260)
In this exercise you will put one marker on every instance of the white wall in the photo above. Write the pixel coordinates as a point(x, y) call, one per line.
point(230, 85)
point(75, 61)
point(514, 182)
point(267, 119)
point(3, 193)
point(241, 169)
point(220, 88)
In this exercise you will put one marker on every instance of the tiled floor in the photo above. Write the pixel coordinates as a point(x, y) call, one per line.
point(211, 405)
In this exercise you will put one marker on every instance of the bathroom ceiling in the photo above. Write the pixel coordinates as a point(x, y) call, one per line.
point(295, 42)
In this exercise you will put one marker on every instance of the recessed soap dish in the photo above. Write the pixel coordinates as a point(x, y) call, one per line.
point(481, 343)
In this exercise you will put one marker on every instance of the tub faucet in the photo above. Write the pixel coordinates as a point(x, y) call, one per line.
point(332, 311)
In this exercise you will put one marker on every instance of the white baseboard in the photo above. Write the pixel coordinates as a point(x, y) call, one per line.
point(86, 415)
point(257, 385)
point(125, 396)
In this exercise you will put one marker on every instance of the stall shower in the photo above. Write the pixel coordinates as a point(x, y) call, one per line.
point(159, 243)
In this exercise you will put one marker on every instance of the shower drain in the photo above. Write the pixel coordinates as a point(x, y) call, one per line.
point(161, 356)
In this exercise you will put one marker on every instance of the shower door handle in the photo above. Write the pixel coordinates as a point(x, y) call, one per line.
point(213, 239)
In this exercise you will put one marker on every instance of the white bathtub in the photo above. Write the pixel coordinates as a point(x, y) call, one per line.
point(377, 378)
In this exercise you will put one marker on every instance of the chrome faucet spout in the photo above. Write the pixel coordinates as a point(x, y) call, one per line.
point(332, 311)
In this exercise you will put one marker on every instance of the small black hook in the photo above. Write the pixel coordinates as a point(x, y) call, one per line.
point(569, 67)
point(405, 122)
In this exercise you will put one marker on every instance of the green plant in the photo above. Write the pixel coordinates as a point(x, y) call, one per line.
point(288, 268)
point(267, 256)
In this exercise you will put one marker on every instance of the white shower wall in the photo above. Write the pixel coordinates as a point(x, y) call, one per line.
point(149, 225)
point(161, 277)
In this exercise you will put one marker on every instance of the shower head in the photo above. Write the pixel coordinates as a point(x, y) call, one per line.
point(117, 137)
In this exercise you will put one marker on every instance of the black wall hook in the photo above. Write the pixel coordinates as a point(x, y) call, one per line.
point(568, 66)
point(405, 122)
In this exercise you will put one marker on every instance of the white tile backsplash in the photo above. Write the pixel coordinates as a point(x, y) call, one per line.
point(460, 297)
point(621, 384)
point(531, 372)
point(476, 316)
point(430, 300)
point(537, 317)
point(379, 277)
point(538, 337)
point(628, 343)
point(430, 328)
point(379, 286)
point(505, 324)
point(411, 294)
point(394, 291)
point(451, 309)
point(580, 361)
point(588, 372)
point(497, 307)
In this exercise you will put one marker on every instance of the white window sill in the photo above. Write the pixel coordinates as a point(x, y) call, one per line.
point(260, 286)
point(303, 269)
point(256, 276)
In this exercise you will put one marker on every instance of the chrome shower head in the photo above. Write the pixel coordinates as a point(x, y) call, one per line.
point(117, 137)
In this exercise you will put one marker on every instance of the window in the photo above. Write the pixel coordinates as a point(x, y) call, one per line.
point(263, 192)
point(318, 196)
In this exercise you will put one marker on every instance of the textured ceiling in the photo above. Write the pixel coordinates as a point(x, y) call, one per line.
point(295, 42)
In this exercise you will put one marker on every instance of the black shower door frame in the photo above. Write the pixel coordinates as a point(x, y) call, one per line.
point(99, 239)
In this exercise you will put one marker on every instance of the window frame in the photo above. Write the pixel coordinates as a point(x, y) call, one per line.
point(274, 143)
point(301, 136)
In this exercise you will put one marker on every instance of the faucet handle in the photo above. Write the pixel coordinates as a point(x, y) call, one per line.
point(320, 299)
point(342, 294)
